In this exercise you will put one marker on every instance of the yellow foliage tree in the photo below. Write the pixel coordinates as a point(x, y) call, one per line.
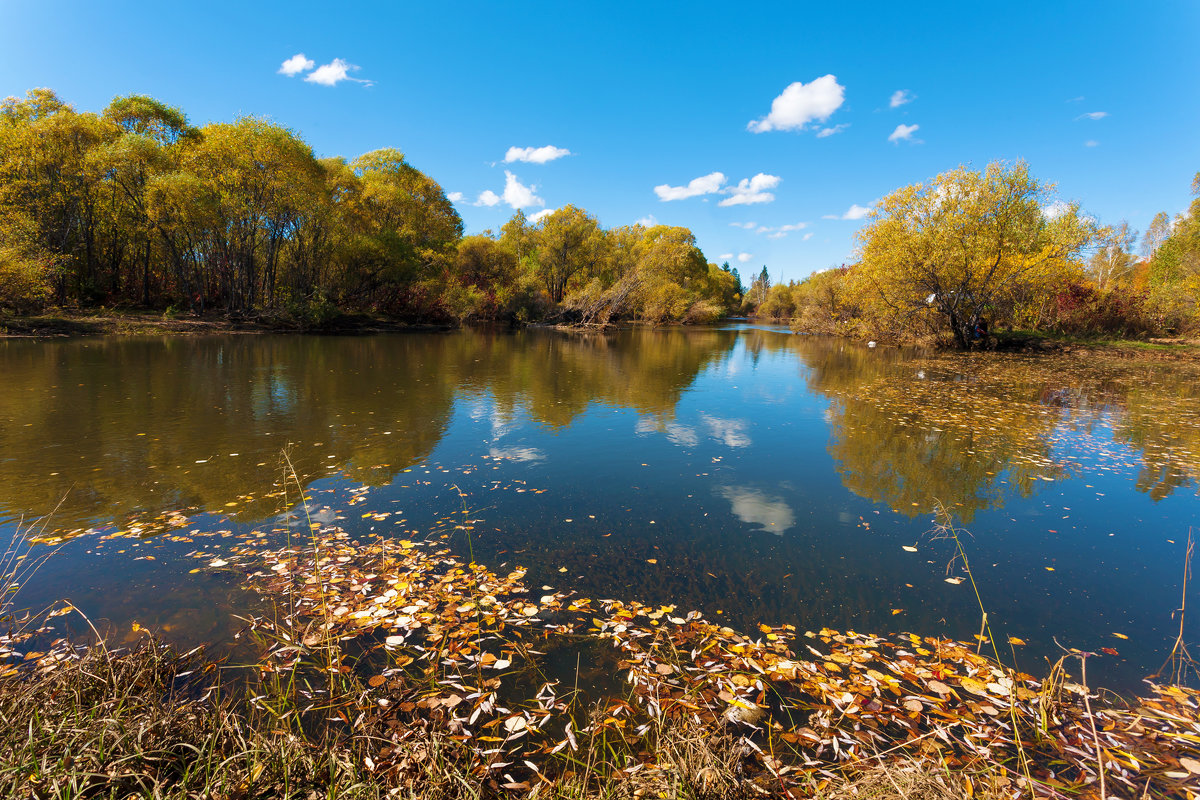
point(963, 245)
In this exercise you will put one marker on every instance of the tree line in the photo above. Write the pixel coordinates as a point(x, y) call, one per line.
point(135, 206)
point(969, 252)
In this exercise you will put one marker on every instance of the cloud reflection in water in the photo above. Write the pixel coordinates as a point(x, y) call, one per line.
point(755, 508)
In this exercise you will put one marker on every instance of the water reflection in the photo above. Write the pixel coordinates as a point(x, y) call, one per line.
point(730, 432)
point(112, 427)
point(643, 463)
point(753, 507)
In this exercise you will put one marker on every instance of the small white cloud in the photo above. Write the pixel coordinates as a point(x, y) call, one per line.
point(854, 212)
point(751, 190)
point(535, 155)
point(295, 65)
point(455, 197)
point(782, 230)
point(1054, 210)
point(806, 236)
point(1091, 143)
point(744, 257)
point(648, 221)
point(334, 72)
point(538, 216)
point(705, 184)
point(487, 198)
point(800, 104)
point(903, 132)
point(518, 195)
point(746, 225)
point(900, 97)
point(725, 256)
point(821, 134)
point(1093, 115)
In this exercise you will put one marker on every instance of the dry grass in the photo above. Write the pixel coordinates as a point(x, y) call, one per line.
point(153, 723)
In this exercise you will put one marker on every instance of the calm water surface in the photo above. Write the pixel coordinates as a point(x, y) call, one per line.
point(742, 471)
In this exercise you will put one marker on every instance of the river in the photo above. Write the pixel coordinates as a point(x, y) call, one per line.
point(752, 474)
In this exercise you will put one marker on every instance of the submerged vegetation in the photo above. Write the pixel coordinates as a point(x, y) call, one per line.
point(136, 207)
point(393, 668)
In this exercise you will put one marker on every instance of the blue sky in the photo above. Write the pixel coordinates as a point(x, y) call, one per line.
point(1100, 98)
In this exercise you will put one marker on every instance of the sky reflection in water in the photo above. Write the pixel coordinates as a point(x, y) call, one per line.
point(768, 476)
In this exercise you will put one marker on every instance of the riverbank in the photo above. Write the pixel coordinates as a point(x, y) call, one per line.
point(1183, 347)
point(149, 721)
point(392, 668)
point(62, 323)
point(1164, 348)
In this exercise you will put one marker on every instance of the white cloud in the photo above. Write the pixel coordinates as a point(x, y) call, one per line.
point(821, 134)
point(854, 212)
point(705, 184)
point(725, 256)
point(904, 132)
point(1093, 115)
point(751, 190)
point(334, 72)
point(455, 197)
point(1055, 210)
point(746, 225)
point(781, 231)
point(1091, 143)
point(806, 236)
point(535, 155)
point(744, 257)
point(518, 195)
point(900, 97)
point(648, 221)
point(487, 198)
point(800, 104)
point(537, 216)
point(295, 65)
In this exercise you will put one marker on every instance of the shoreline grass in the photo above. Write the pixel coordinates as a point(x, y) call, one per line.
point(393, 669)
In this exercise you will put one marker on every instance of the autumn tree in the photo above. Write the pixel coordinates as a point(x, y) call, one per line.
point(757, 293)
point(1113, 261)
point(965, 243)
point(568, 243)
point(1156, 234)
